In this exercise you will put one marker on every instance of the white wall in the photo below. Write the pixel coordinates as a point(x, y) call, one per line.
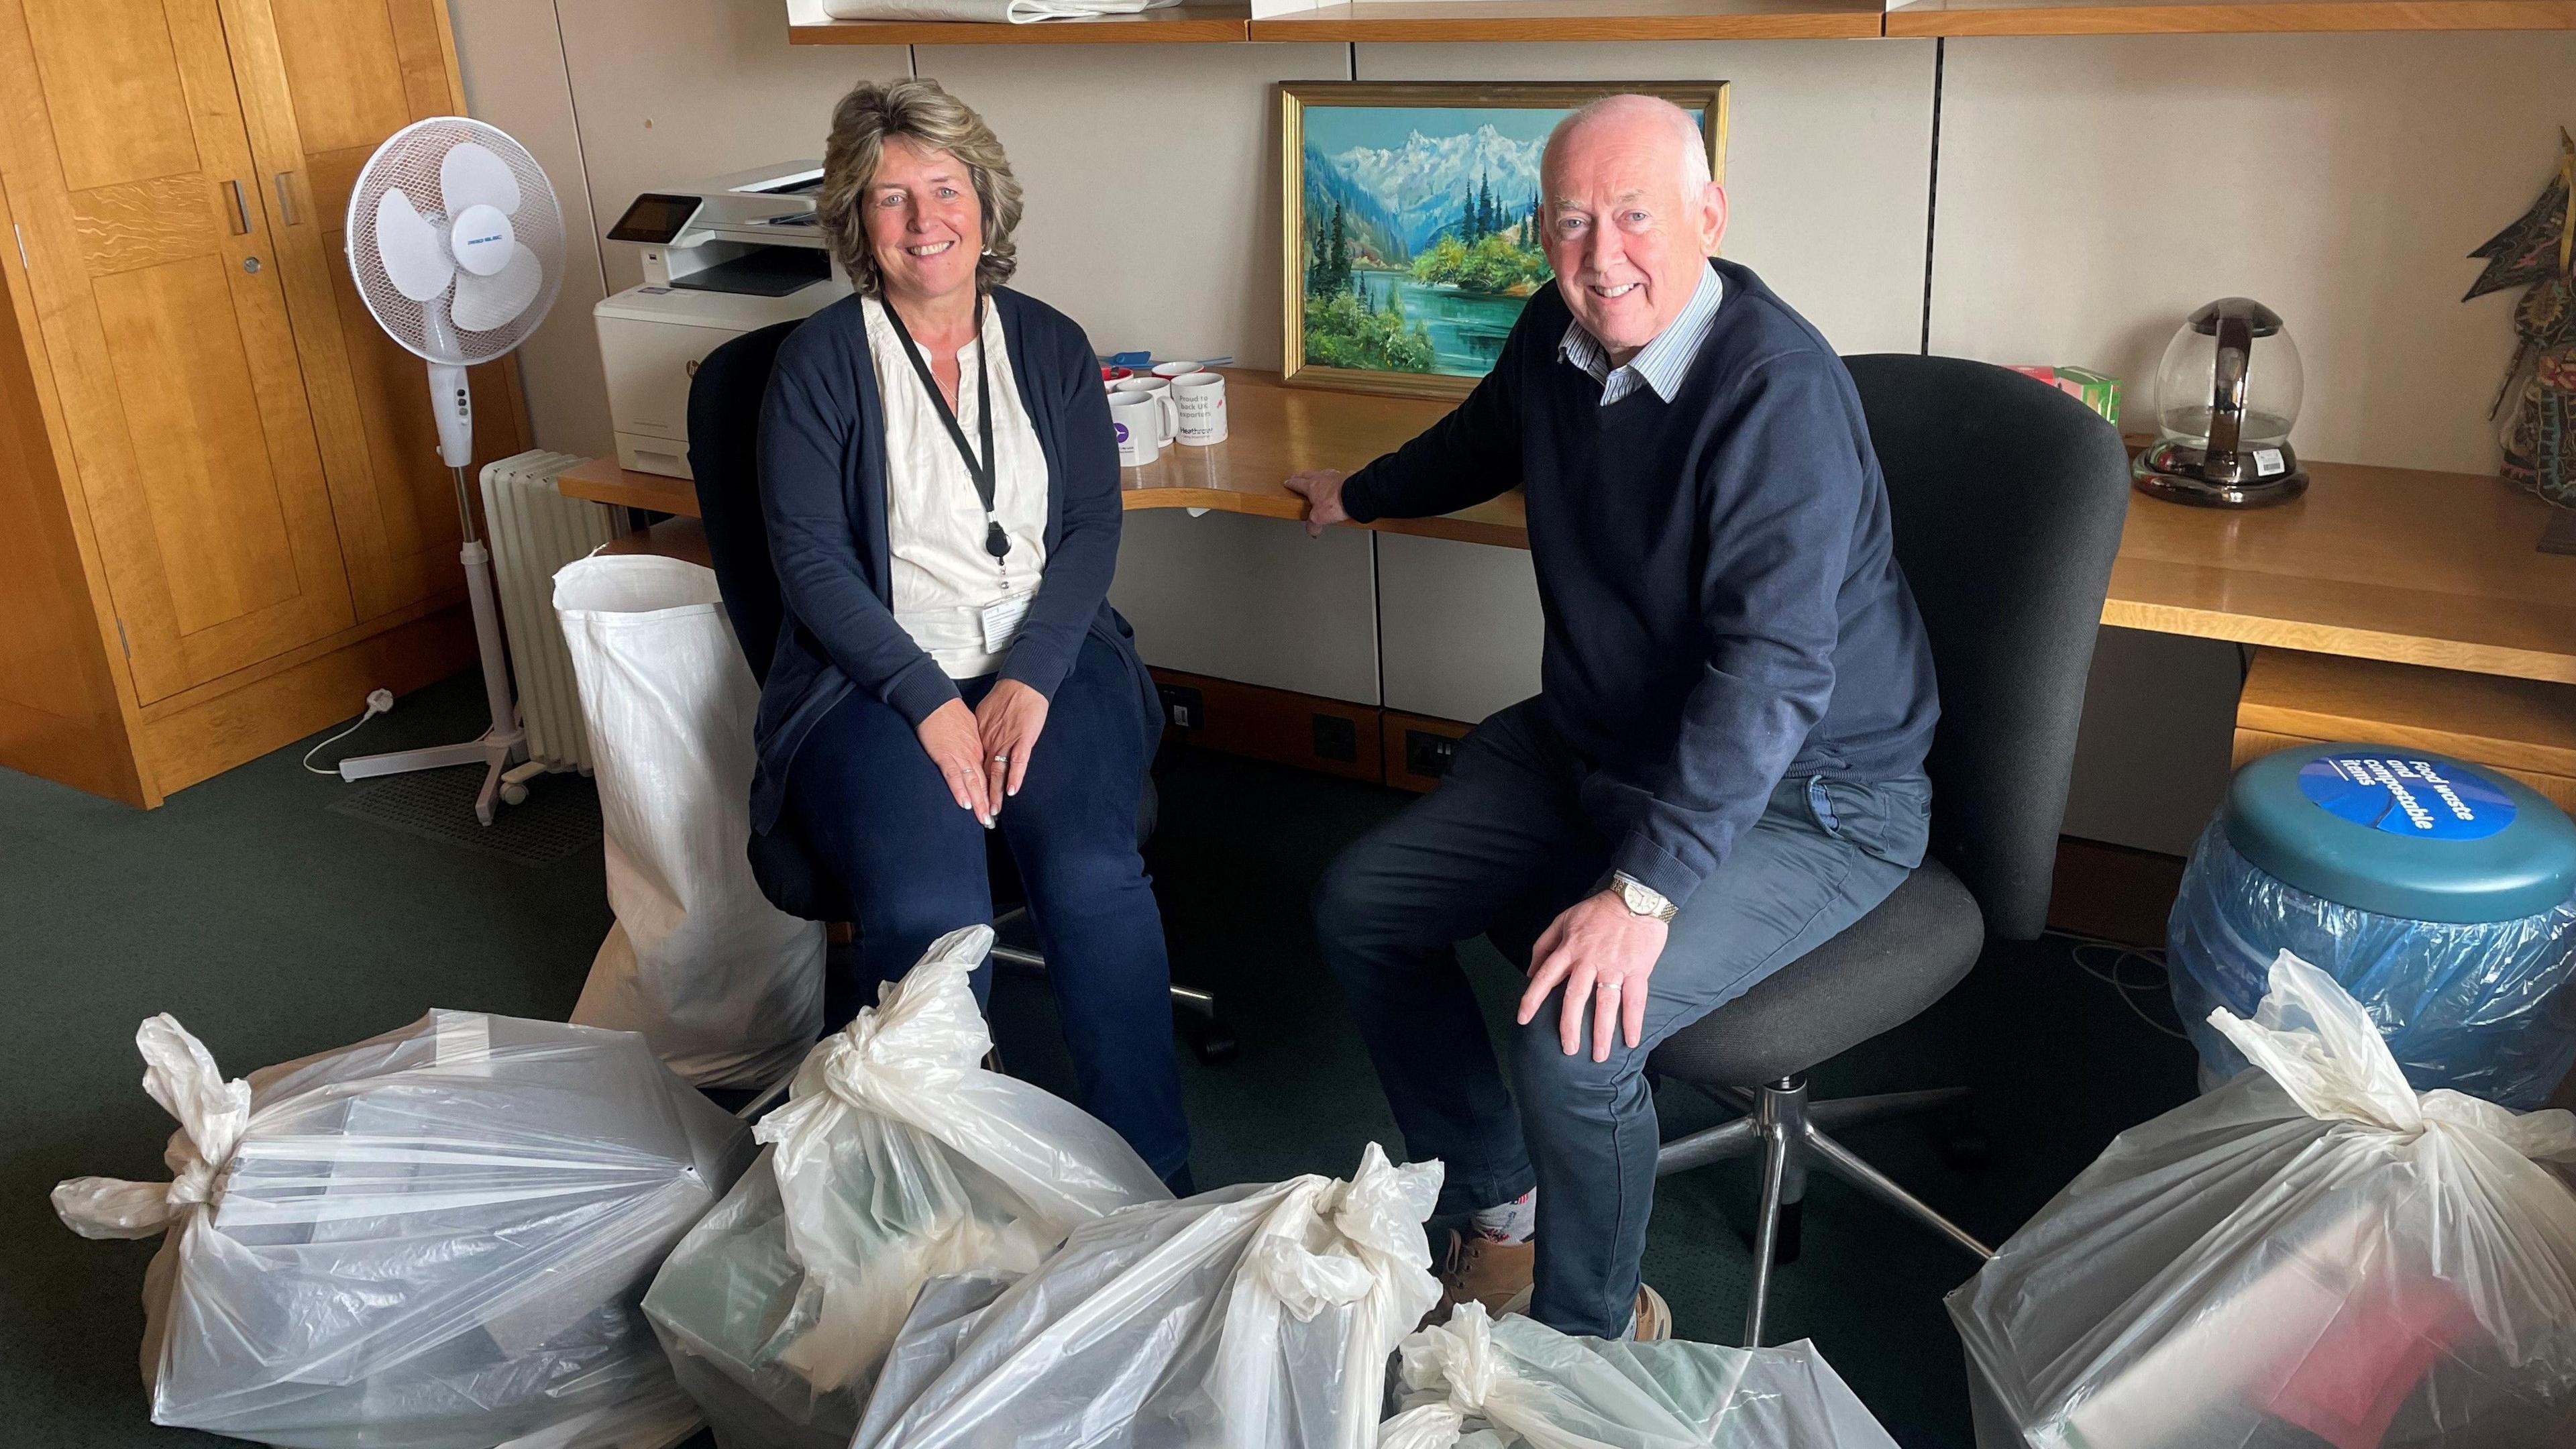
point(1827, 163)
point(2094, 190)
point(513, 65)
point(2090, 191)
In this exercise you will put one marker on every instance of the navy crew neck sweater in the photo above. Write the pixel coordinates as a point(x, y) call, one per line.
point(1723, 606)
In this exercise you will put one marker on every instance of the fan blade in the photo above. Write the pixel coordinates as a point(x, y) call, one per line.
point(414, 253)
point(484, 304)
point(471, 175)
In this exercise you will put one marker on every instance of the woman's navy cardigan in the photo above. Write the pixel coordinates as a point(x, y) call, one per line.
point(823, 493)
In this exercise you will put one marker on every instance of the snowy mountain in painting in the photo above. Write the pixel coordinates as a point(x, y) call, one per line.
point(1425, 182)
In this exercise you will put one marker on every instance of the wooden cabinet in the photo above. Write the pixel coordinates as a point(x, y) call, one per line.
point(231, 477)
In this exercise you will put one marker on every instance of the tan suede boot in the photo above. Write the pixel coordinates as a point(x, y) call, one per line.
point(1476, 1267)
point(1653, 1322)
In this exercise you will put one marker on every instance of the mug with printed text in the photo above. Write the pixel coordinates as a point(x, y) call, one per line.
point(1198, 409)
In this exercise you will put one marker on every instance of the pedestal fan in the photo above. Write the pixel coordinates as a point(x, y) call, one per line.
point(458, 249)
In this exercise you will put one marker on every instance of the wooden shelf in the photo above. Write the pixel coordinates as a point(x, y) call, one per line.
point(2373, 563)
point(1563, 20)
point(2236, 17)
point(1275, 430)
point(1190, 23)
point(1580, 20)
point(601, 481)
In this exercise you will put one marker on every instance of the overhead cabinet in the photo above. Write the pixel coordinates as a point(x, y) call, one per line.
point(233, 473)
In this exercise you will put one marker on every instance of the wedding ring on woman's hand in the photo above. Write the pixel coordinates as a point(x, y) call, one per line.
point(1001, 759)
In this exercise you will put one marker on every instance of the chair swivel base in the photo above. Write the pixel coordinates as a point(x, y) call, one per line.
point(1789, 1131)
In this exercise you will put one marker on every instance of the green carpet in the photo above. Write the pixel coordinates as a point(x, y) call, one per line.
point(273, 926)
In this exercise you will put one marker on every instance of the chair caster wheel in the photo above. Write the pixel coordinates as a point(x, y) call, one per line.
point(1215, 1044)
point(514, 794)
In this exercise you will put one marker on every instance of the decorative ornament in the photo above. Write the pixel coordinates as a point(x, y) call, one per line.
point(2539, 436)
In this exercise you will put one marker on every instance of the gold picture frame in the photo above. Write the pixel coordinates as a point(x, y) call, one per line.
point(1437, 293)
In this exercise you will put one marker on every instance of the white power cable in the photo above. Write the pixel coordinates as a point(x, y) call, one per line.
point(2154, 982)
point(378, 702)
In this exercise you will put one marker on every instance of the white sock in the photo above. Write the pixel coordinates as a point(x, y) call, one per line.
point(1511, 1223)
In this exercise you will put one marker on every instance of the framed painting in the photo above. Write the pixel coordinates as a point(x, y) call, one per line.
point(1411, 215)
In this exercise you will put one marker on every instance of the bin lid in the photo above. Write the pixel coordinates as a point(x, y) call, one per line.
point(2403, 833)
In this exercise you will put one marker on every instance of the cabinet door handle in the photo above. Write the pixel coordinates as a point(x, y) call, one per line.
point(286, 199)
point(241, 210)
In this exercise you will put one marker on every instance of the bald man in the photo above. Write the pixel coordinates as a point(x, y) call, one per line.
point(1724, 765)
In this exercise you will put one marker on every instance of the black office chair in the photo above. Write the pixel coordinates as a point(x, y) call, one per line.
point(2008, 497)
point(724, 453)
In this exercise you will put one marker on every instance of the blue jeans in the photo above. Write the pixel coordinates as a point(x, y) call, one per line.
point(881, 821)
point(1502, 847)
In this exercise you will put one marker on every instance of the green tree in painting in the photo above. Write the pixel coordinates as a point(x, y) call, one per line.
point(1342, 329)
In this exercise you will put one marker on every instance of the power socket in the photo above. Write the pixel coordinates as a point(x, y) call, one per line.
point(1185, 708)
point(1427, 754)
point(1337, 738)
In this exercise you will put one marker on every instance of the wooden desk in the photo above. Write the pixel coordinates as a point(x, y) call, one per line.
point(2391, 564)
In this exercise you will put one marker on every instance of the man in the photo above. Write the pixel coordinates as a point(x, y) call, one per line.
point(1723, 767)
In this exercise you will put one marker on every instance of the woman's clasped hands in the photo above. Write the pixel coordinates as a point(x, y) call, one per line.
point(983, 753)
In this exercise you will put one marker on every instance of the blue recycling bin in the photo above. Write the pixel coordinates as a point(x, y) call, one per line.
point(2441, 894)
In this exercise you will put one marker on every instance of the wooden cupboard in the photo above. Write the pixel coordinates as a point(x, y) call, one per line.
point(225, 517)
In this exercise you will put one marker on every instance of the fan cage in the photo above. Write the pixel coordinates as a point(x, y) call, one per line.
point(409, 159)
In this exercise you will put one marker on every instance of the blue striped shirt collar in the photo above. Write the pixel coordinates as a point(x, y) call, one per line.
point(1661, 363)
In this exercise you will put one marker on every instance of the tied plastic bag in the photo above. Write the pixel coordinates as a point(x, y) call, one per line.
point(1257, 1317)
point(727, 987)
point(2488, 1009)
point(1515, 1383)
point(2313, 1252)
point(434, 1239)
point(896, 1159)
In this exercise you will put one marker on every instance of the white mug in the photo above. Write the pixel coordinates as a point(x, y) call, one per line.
point(1160, 390)
point(1198, 407)
point(1137, 418)
point(1174, 369)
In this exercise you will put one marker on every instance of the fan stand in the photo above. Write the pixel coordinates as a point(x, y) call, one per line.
point(504, 744)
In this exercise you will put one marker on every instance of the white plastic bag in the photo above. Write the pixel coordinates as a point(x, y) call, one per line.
point(1255, 1317)
point(434, 1239)
point(2312, 1253)
point(896, 1159)
point(728, 988)
point(1515, 1383)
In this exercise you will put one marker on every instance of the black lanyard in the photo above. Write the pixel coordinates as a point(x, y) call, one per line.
point(996, 542)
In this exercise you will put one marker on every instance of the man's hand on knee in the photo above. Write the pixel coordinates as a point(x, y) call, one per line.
point(1602, 953)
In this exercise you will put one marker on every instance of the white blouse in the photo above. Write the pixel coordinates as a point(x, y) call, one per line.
point(943, 578)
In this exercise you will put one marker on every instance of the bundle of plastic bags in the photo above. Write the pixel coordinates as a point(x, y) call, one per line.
point(434, 1239)
point(896, 1159)
point(1515, 1383)
point(1256, 1317)
point(728, 988)
point(2312, 1253)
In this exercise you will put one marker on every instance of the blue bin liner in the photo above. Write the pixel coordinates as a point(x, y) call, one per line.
point(2477, 1008)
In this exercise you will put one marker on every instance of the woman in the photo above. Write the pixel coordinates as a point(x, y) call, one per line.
point(941, 488)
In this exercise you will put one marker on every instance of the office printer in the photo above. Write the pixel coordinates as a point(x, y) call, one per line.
point(722, 257)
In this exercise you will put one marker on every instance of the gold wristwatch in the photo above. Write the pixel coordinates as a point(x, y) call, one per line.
point(1642, 899)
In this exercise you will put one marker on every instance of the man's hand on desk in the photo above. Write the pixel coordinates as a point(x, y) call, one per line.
point(1322, 490)
point(1603, 953)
